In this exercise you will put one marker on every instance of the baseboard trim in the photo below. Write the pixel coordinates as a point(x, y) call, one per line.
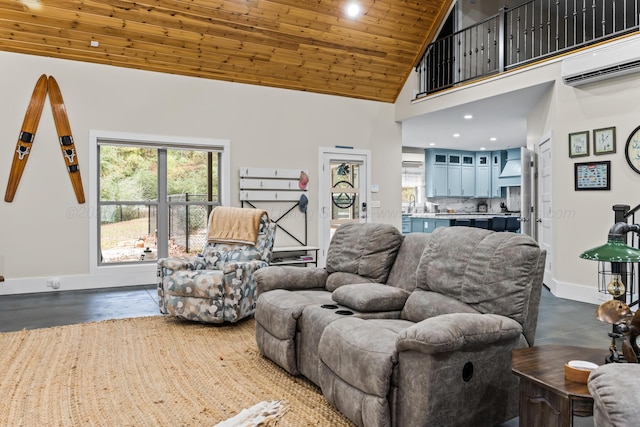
point(109, 277)
point(575, 292)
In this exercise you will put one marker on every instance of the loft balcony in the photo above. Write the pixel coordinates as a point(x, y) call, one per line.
point(513, 38)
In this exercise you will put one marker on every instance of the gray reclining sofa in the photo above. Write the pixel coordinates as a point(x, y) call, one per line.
point(411, 331)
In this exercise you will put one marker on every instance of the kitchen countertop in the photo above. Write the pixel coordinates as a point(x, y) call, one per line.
point(461, 215)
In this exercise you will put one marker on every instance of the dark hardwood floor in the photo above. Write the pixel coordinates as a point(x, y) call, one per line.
point(560, 321)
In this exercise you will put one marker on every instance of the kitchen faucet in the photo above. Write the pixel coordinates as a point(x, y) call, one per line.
point(412, 199)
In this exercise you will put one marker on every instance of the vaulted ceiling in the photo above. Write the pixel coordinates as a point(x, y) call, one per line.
point(309, 45)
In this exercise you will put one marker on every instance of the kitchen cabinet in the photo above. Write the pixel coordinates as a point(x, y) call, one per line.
point(427, 225)
point(440, 187)
point(406, 224)
point(468, 175)
point(498, 160)
point(421, 225)
point(483, 174)
point(450, 173)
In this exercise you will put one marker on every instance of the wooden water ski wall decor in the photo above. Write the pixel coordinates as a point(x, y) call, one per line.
point(27, 135)
point(66, 139)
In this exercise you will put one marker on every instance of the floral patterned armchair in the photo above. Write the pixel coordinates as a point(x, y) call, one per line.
point(217, 285)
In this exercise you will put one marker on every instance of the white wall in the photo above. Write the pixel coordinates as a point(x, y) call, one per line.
point(581, 219)
point(44, 234)
point(470, 12)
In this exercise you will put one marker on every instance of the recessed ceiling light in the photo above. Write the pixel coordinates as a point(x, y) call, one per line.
point(482, 148)
point(353, 10)
point(493, 138)
point(431, 144)
point(468, 116)
point(456, 135)
point(32, 4)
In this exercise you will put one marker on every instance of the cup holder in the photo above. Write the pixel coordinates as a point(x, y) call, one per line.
point(329, 306)
point(344, 312)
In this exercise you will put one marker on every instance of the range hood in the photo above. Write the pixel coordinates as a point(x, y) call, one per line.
point(510, 176)
point(512, 169)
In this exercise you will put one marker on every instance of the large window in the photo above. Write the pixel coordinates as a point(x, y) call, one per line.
point(154, 199)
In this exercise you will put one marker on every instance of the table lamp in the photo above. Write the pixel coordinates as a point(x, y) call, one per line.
point(625, 324)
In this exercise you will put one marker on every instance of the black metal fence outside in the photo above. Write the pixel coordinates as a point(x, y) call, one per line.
point(188, 222)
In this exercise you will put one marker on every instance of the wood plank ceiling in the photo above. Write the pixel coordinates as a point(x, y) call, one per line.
point(308, 45)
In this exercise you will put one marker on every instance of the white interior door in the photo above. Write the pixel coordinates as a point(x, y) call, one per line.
point(527, 192)
point(344, 195)
point(545, 213)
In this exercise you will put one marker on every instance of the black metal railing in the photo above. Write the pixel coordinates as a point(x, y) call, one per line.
point(514, 37)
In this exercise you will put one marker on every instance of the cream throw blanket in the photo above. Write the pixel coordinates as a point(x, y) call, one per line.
point(234, 225)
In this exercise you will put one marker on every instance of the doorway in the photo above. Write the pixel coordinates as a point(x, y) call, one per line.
point(344, 195)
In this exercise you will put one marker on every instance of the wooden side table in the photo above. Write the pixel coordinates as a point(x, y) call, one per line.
point(546, 397)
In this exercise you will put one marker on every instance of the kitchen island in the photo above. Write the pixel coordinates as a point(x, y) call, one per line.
point(427, 222)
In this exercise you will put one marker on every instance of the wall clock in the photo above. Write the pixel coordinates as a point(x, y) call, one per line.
point(632, 150)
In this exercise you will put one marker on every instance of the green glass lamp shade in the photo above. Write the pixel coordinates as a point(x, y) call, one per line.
point(615, 250)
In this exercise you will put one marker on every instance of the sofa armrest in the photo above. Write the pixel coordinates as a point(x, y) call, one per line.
point(614, 391)
point(451, 332)
point(290, 278)
point(182, 263)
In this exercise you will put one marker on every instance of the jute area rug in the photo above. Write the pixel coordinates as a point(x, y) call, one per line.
point(150, 371)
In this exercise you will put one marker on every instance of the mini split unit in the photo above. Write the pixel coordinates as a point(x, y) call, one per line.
point(610, 60)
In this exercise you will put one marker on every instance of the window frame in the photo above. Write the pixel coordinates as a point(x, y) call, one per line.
point(139, 273)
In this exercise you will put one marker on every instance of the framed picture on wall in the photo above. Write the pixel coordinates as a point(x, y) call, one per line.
point(579, 144)
point(592, 176)
point(604, 140)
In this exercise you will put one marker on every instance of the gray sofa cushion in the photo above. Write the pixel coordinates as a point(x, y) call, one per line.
point(422, 305)
point(279, 310)
point(338, 278)
point(403, 272)
point(367, 297)
point(364, 359)
point(367, 250)
point(614, 388)
point(473, 266)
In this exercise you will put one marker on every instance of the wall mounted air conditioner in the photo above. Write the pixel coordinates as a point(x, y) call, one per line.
point(413, 160)
point(610, 60)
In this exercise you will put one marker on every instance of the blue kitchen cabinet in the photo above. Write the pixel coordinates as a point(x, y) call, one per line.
point(450, 173)
point(427, 225)
point(440, 187)
point(498, 160)
point(436, 173)
point(406, 224)
point(483, 174)
point(419, 225)
point(468, 175)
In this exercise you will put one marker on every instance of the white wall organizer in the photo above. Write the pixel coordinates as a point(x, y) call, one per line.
point(278, 185)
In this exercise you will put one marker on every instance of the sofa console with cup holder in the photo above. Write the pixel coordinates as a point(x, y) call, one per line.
point(407, 331)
